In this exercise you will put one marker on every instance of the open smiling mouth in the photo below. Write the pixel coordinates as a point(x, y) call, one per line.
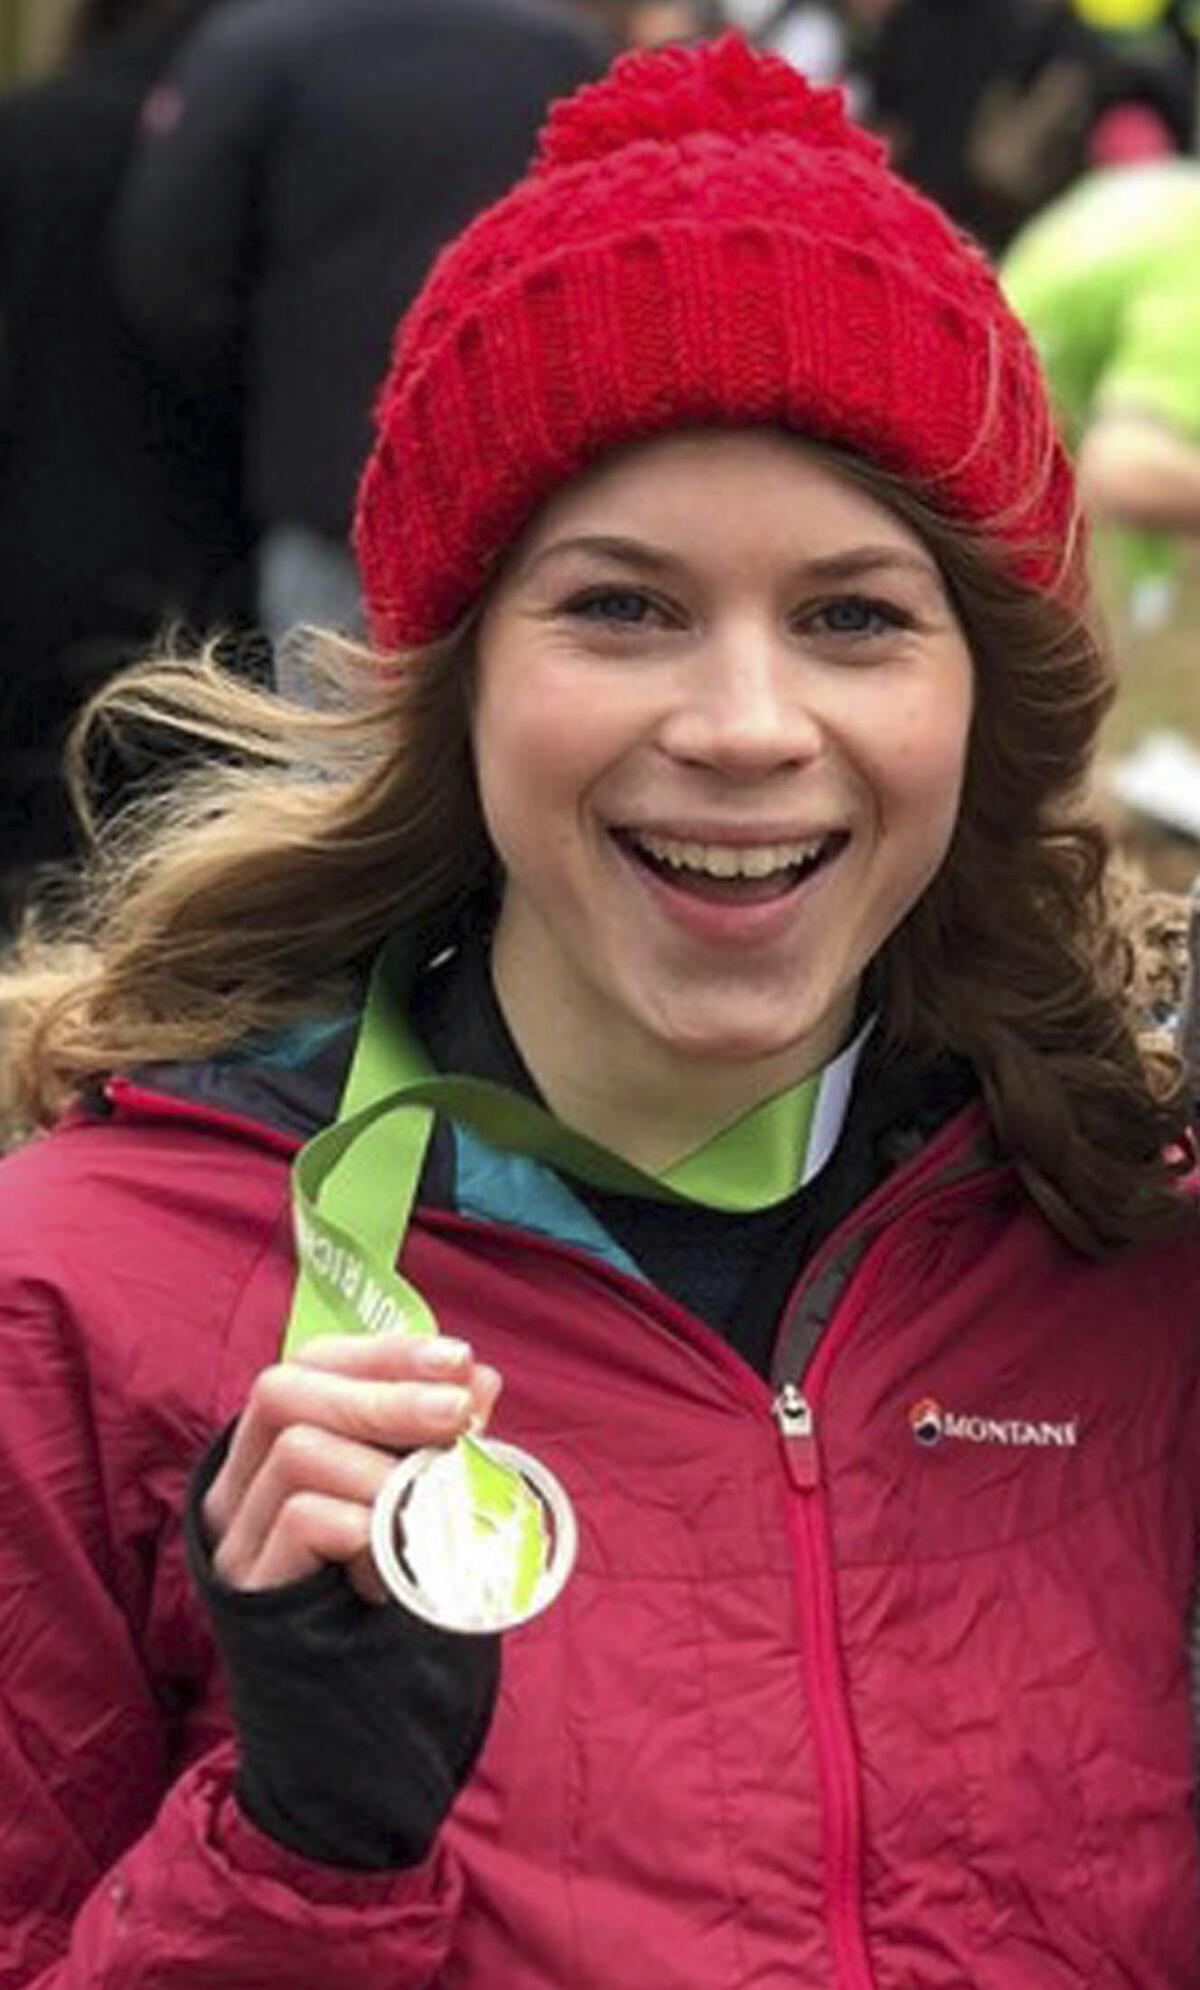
point(727, 874)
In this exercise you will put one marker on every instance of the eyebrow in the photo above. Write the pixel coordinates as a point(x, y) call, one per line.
point(855, 563)
point(637, 553)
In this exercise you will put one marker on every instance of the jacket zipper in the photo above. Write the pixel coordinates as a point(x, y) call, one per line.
point(795, 1409)
point(833, 1736)
point(793, 1413)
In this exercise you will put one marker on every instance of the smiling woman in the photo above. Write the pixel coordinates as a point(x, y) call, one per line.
point(674, 984)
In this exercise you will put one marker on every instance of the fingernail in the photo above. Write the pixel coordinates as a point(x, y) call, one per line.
point(446, 1405)
point(438, 1357)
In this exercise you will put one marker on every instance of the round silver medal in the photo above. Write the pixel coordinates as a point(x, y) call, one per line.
point(468, 1547)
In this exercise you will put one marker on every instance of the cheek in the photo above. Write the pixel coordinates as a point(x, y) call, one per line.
point(927, 752)
point(551, 732)
point(530, 766)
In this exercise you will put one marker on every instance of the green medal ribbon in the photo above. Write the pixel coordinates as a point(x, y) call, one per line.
point(355, 1182)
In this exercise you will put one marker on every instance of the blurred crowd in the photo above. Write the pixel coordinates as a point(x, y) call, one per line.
point(212, 212)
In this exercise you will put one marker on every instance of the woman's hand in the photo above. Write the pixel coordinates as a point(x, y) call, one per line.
point(318, 1437)
point(356, 1727)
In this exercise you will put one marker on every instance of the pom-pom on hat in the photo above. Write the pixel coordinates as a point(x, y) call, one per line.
point(703, 240)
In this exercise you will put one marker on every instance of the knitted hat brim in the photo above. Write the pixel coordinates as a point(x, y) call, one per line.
point(694, 327)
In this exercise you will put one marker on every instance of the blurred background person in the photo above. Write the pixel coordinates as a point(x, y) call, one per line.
point(119, 506)
point(1108, 281)
point(988, 105)
point(304, 161)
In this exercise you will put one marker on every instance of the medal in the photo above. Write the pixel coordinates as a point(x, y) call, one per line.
point(475, 1538)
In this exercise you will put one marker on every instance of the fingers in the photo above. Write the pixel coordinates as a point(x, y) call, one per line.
point(295, 1391)
point(319, 1435)
point(385, 1354)
point(308, 1530)
point(395, 1356)
point(486, 1384)
point(309, 1502)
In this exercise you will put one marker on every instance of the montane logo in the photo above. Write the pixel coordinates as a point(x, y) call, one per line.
point(931, 1424)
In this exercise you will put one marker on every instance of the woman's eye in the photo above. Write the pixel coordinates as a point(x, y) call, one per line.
point(857, 615)
point(617, 607)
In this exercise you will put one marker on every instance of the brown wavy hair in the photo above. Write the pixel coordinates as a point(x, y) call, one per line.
point(252, 891)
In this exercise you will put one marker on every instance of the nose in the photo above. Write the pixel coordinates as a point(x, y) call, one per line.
point(744, 706)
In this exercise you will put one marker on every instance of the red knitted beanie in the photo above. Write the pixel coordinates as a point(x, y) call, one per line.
point(702, 240)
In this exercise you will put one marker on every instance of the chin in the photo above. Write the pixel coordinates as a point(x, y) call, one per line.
point(732, 1043)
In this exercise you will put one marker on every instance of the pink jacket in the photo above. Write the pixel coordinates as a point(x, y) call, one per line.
point(895, 1696)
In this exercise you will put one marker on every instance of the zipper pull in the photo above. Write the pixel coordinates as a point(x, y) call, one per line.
point(793, 1413)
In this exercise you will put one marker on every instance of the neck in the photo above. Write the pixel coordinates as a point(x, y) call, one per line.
point(632, 1094)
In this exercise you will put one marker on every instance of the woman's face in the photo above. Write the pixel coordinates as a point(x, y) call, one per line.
point(721, 724)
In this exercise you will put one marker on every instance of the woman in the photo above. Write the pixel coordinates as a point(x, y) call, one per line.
point(706, 819)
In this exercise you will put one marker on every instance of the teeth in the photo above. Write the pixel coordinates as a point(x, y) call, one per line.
point(725, 860)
